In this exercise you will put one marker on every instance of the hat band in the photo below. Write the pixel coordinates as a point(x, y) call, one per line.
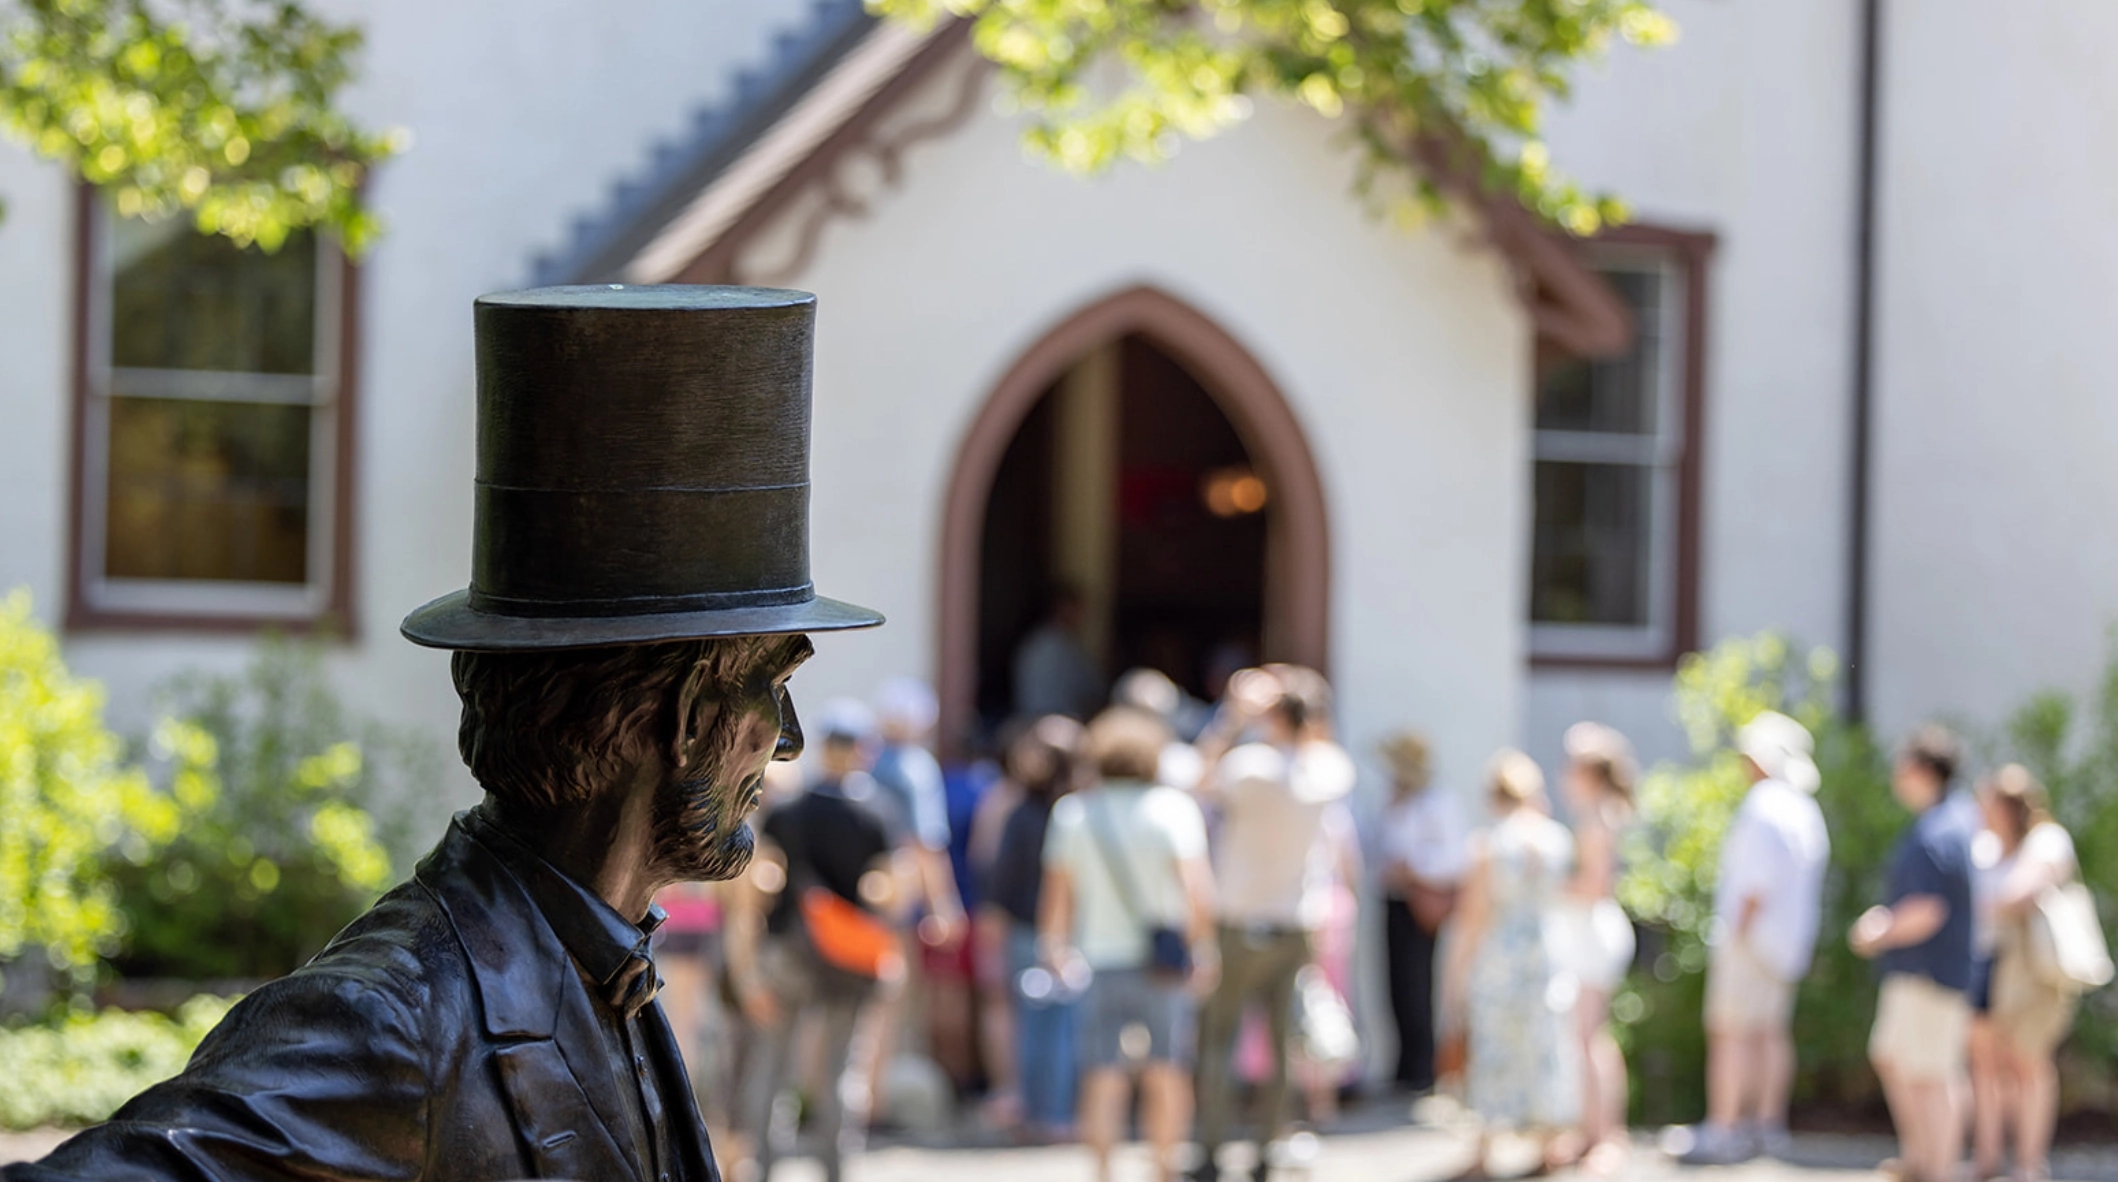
point(559, 552)
point(639, 605)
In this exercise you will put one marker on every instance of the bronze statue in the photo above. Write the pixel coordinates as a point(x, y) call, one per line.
point(639, 595)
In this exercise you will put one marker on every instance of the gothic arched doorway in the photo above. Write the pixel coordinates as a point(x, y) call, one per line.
point(1138, 453)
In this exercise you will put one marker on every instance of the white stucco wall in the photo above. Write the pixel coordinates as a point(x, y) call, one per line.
point(1994, 558)
point(1996, 527)
point(1744, 129)
point(36, 373)
point(1403, 356)
point(525, 114)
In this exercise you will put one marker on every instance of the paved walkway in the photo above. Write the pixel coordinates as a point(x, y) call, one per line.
point(1403, 1154)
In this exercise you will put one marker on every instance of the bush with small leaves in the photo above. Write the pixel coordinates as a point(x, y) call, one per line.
point(67, 797)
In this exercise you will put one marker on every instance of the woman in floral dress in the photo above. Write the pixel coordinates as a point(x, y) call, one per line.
point(1523, 1070)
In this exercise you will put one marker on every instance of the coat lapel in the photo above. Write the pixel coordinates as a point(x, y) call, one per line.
point(553, 1064)
point(686, 1127)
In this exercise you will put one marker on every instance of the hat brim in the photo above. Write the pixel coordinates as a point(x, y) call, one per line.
point(451, 622)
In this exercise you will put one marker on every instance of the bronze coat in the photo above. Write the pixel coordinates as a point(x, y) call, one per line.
point(443, 1036)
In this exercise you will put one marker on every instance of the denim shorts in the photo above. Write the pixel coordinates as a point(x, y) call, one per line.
point(1131, 1017)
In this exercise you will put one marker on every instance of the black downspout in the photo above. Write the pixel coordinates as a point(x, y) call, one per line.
point(1863, 369)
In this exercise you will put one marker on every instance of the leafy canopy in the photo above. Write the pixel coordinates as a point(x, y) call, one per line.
point(224, 109)
point(1445, 96)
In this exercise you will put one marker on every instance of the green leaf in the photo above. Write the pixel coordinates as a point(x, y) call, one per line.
point(1447, 96)
point(220, 109)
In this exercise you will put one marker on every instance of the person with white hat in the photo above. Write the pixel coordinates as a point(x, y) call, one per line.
point(905, 713)
point(1766, 910)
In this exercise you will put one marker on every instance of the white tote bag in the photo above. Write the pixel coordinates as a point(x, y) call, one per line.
point(2067, 950)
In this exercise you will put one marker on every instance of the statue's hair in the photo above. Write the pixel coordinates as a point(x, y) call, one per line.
point(548, 729)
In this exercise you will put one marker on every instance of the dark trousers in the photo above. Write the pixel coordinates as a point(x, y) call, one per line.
point(1256, 965)
point(1410, 949)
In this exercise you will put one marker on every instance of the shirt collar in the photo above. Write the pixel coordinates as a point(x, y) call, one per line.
point(610, 949)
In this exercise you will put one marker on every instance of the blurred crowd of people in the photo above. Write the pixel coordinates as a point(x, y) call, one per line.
point(1983, 943)
point(1156, 900)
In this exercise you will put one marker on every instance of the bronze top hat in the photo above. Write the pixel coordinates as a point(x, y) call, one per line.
point(643, 471)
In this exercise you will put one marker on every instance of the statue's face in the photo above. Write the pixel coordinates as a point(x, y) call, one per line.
point(701, 818)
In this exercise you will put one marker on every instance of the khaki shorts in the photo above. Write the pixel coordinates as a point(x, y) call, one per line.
point(1743, 996)
point(2034, 1017)
point(1920, 1027)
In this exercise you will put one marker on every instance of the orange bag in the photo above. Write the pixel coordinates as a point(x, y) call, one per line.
point(850, 938)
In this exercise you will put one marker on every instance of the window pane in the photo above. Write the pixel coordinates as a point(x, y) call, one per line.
point(185, 300)
point(1619, 394)
point(1589, 559)
point(208, 490)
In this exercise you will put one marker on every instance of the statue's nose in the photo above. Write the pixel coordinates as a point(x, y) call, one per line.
point(790, 743)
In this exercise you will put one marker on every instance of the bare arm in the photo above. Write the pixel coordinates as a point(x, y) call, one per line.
point(1250, 691)
point(1473, 914)
point(1197, 877)
point(1748, 915)
point(937, 880)
point(1595, 867)
point(2031, 875)
point(1911, 920)
point(893, 883)
point(1350, 866)
point(1055, 916)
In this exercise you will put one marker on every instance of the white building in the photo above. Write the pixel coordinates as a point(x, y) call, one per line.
point(1024, 378)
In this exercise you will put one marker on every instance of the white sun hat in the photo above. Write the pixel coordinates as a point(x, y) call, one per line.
point(907, 702)
point(1781, 747)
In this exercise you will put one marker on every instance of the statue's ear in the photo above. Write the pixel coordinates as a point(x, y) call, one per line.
point(688, 705)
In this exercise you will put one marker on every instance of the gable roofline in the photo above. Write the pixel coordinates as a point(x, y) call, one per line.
point(695, 235)
point(599, 245)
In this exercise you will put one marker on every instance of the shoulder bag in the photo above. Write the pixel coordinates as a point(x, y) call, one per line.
point(2065, 942)
point(1168, 952)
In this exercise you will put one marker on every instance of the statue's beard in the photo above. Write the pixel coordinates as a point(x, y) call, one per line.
point(700, 834)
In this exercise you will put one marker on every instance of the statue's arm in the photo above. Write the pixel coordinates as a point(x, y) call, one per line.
point(319, 1075)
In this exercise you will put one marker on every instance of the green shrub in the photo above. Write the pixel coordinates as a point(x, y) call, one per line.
point(78, 1069)
point(67, 795)
point(1673, 857)
point(291, 816)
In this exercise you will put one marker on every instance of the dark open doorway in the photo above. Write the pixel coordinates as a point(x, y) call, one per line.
point(1128, 483)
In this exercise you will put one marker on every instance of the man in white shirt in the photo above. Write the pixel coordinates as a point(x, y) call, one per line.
point(1124, 858)
point(1766, 906)
point(1273, 866)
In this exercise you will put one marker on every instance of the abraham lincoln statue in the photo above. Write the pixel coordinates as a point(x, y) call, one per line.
point(639, 596)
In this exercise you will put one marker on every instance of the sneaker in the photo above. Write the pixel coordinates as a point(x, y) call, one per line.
point(1710, 1145)
point(1772, 1140)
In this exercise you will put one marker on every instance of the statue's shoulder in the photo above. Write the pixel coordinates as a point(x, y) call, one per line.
point(404, 946)
point(377, 982)
point(392, 972)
